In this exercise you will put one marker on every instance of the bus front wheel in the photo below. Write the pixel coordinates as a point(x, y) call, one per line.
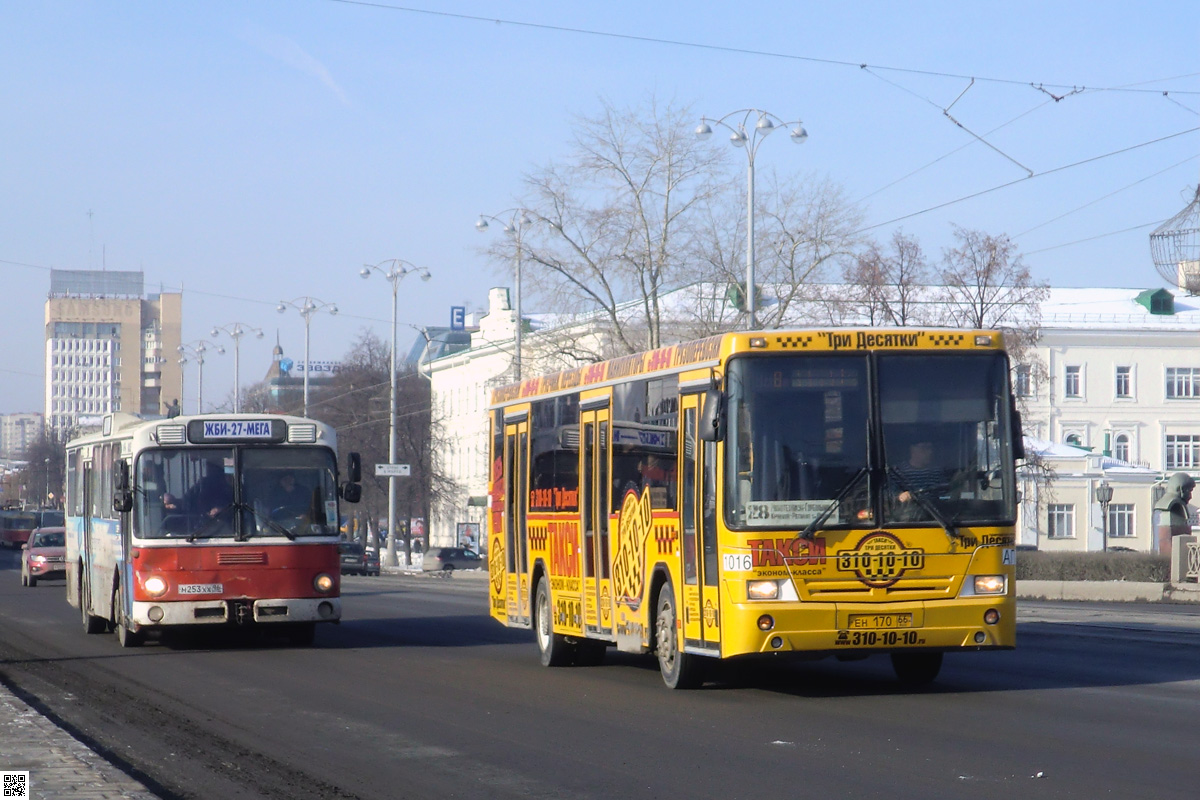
point(679, 670)
point(125, 635)
point(555, 650)
point(917, 669)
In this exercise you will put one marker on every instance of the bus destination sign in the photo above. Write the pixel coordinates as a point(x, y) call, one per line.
point(236, 430)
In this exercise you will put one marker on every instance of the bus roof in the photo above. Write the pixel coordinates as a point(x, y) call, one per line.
point(713, 350)
point(144, 431)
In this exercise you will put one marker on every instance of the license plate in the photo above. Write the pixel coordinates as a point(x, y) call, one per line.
point(201, 588)
point(879, 621)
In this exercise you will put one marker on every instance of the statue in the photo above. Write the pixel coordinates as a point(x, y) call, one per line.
point(1171, 511)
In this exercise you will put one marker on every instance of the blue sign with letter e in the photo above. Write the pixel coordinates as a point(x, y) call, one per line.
point(458, 318)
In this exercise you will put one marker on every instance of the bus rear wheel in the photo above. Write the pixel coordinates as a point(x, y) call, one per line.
point(917, 669)
point(679, 670)
point(555, 650)
point(91, 623)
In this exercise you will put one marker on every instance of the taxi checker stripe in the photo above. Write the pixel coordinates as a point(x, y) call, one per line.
point(793, 341)
point(946, 339)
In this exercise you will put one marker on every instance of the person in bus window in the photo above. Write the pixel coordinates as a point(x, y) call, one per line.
point(210, 496)
point(290, 499)
point(919, 473)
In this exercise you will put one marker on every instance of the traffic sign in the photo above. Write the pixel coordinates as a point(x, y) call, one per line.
point(392, 470)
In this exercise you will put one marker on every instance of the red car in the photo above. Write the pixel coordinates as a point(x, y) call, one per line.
point(44, 556)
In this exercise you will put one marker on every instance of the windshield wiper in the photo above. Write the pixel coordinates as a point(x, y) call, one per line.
point(926, 504)
point(266, 520)
point(210, 522)
point(811, 529)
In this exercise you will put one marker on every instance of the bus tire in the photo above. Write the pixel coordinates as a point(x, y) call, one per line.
point(554, 648)
point(91, 624)
point(917, 669)
point(679, 670)
point(126, 636)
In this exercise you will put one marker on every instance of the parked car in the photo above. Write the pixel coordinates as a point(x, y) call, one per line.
point(371, 562)
point(44, 555)
point(445, 559)
point(354, 559)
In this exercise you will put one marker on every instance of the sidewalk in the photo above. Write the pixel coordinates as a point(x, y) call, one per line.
point(59, 765)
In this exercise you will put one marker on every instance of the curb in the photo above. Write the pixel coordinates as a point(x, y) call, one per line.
point(1110, 591)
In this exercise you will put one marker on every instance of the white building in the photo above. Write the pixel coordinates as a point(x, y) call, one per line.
point(1122, 382)
point(18, 432)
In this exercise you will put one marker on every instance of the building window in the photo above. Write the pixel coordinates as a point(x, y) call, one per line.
point(1074, 439)
point(1060, 521)
point(1183, 451)
point(1071, 382)
point(1024, 382)
point(1121, 446)
point(1120, 520)
point(1124, 384)
point(1183, 382)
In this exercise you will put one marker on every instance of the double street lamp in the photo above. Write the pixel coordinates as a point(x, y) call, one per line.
point(518, 221)
point(393, 271)
point(236, 331)
point(196, 350)
point(307, 306)
point(750, 139)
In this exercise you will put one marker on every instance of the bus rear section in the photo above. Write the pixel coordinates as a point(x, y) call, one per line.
point(230, 520)
point(809, 494)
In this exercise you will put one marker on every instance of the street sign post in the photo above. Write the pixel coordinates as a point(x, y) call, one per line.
point(393, 470)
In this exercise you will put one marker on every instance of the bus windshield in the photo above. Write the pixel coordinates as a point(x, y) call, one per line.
point(236, 492)
point(798, 431)
point(946, 434)
point(797, 439)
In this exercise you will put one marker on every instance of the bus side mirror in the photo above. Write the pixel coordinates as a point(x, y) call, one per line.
point(351, 490)
point(711, 416)
point(1018, 442)
point(122, 497)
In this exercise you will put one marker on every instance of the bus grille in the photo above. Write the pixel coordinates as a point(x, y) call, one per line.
point(923, 588)
point(242, 557)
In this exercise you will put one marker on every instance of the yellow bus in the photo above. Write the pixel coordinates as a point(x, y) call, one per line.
point(826, 492)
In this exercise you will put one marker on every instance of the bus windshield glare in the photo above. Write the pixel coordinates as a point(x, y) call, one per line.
point(236, 492)
point(800, 429)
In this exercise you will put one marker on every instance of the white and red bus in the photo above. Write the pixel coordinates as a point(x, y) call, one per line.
point(185, 521)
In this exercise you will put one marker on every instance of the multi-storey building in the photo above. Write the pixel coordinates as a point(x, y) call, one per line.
point(108, 347)
point(18, 432)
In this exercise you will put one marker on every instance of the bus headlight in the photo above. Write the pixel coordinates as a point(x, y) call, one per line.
point(323, 582)
point(155, 586)
point(991, 584)
point(762, 590)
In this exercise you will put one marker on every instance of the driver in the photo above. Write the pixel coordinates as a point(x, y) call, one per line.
point(918, 473)
point(289, 498)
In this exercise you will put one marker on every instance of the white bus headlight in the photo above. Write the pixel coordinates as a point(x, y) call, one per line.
point(762, 590)
point(155, 586)
point(991, 584)
point(323, 582)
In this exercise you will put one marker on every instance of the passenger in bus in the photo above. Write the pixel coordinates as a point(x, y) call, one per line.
point(210, 496)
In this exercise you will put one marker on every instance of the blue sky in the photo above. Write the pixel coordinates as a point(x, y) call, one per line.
point(257, 150)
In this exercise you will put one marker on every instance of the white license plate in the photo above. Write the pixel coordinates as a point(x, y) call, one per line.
point(201, 588)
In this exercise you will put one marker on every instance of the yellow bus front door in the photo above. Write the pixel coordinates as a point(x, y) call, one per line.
point(697, 488)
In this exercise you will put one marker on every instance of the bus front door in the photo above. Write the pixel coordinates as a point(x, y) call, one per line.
point(701, 600)
point(595, 503)
point(516, 491)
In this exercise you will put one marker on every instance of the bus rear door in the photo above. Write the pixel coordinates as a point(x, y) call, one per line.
point(594, 506)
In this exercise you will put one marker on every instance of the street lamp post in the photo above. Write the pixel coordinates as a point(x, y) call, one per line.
point(393, 271)
point(236, 331)
point(307, 306)
point(1104, 496)
point(739, 137)
point(196, 350)
point(518, 221)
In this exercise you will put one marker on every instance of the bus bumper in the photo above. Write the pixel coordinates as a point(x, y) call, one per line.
point(216, 612)
point(832, 628)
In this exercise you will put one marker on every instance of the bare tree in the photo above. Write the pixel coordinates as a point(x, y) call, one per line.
point(615, 223)
point(887, 286)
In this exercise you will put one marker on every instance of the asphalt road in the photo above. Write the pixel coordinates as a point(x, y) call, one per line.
point(419, 694)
